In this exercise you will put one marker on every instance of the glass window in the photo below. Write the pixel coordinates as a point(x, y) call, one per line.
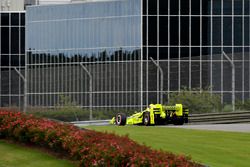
point(15, 40)
point(4, 40)
point(185, 7)
point(163, 7)
point(174, 7)
point(227, 31)
point(195, 7)
point(15, 19)
point(152, 29)
point(174, 34)
point(217, 7)
point(238, 7)
point(184, 30)
point(152, 7)
point(227, 7)
point(163, 30)
point(195, 30)
point(5, 19)
point(238, 31)
point(216, 31)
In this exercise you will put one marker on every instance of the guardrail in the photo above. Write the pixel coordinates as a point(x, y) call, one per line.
point(208, 118)
point(220, 118)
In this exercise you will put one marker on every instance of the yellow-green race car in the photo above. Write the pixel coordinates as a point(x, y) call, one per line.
point(155, 114)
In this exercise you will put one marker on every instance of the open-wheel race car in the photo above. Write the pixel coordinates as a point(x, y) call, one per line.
point(155, 114)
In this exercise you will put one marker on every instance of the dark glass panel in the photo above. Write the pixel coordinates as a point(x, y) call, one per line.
point(184, 30)
point(174, 52)
point(15, 19)
point(22, 40)
point(246, 7)
point(185, 7)
point(163, 53)
point(5, 40)
point(15, 40)
point(184, 52)
point(5, 19)
point(22, 19)
point(152, 52)
point(144, 7)
point(15, 60)
point(5, 60)
point(174, 35)
point(195, 52)
point(205, 53)
point(144, 53)
point(163, 7)
point(174, 7)
point(227, 31)
point(246, 32)
point(195, 7)
point(217, 7)
point(144, 31)
point(163, 30)
point(152, 29)
point(206, 7)
point(227, 7)
point(195, 30)
point(216, 31)
point(238, 7)
point(238, 31)
point(206, 31)
point(152, 7)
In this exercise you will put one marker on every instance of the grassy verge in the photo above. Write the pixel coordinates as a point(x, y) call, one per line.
point(14, 155)
point(213, 148)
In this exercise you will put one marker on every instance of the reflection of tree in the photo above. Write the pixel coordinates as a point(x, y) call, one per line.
point(104, 55)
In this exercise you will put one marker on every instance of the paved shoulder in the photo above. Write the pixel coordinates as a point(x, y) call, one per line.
point(222, 127)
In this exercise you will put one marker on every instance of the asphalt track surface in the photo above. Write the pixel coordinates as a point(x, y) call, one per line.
point(218, 127)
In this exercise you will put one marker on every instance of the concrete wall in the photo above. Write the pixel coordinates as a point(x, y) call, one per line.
point(11, 5)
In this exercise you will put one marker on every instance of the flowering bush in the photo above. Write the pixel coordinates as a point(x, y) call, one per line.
point(90, 148)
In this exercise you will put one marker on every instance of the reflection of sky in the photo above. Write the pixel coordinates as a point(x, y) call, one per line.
point(98, 32)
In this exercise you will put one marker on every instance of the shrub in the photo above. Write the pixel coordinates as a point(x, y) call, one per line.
point(90, 148)
point(198, 101)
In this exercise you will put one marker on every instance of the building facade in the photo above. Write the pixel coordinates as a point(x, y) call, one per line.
point(12, 58)
point(101, 53)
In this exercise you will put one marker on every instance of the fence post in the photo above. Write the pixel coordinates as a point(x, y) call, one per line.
point(90, 91)
point(161, 71)
point(233, 79)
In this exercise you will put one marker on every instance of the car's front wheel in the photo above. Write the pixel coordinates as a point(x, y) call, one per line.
point(146, 118)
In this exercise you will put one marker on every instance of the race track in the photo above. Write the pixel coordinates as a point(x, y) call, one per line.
point(218, 127)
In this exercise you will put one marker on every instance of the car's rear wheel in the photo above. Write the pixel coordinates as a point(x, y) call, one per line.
point(120, 119)
point(146, 118)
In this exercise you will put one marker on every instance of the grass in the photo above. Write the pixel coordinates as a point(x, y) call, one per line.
point(14, 155)
point(212, 148)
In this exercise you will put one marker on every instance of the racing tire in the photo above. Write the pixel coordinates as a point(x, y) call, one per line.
point(178, 121)
point(120, 119)
point(146, 119)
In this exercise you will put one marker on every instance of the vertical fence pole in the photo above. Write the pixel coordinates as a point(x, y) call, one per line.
point(233, 79)
point(161, 72)
point(90, 91)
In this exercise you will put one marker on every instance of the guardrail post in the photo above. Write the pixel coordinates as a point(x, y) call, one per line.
point(90, 91)
point(233, 79)
point(161, 72)
point(25, 89)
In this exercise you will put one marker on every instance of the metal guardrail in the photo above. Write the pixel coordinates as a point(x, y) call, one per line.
point(208, 118)
point(220, 118)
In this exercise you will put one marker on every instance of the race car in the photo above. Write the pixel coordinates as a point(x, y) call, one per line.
point(155, 114)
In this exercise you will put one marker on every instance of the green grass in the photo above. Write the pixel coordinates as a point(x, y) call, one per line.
point(212, 148)
point(18, 156)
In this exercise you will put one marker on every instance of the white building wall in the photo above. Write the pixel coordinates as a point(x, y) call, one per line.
point(11, 5)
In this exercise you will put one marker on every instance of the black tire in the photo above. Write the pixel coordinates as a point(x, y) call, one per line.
point(120, 119)
point(146, 118)
point(178, 121)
